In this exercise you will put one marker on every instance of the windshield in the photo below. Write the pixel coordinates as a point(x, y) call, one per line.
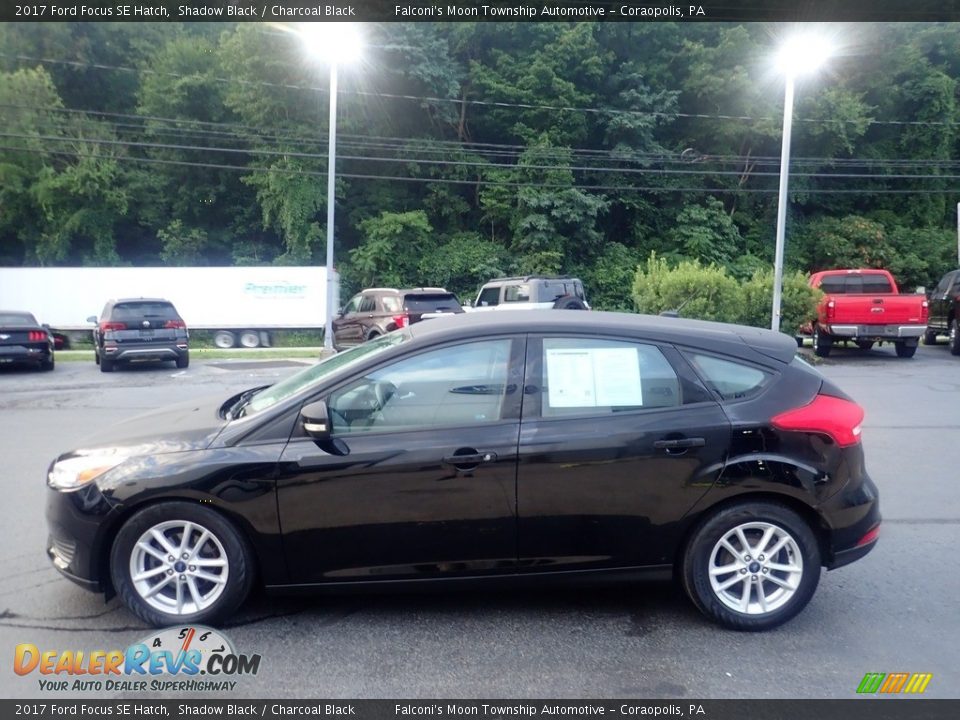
point(268, 397)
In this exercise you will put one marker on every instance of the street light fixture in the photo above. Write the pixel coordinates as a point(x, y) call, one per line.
point(335, 43)
point(799, 55)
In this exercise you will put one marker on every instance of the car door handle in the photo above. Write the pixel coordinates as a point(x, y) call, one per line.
point(679, 443)
point(470, 460)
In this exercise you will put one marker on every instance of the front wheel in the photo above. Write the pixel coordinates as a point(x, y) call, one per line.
point(177, 562)
point(752, 566)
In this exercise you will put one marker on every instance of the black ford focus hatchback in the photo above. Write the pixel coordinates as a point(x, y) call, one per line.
point(485, 448)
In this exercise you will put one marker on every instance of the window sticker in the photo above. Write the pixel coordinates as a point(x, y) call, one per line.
point(593, 377)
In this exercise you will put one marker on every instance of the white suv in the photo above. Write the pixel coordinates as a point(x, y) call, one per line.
point(532, 291)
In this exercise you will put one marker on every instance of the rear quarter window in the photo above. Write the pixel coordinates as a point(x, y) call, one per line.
point(730, 379)
point(431, 303)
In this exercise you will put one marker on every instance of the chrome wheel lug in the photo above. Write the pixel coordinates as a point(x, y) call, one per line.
point(171, 558)
point(184, 556)
point(764, 570)
point(754, 577)
point(760, 558)
point(184, 577)
point(170, 571)
point(746, 558)
point(743, 571)
point(193, 568)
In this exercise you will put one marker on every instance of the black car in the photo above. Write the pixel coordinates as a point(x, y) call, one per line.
point(136, 329)
point(25, 341)
point(944, 318)
point(376, 311)
point(521, 447)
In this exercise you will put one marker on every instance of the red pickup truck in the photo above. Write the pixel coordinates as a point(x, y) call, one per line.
point(865, 306)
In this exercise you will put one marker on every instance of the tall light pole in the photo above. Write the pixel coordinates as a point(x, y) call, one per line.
point(797, 56)
point(336, 43)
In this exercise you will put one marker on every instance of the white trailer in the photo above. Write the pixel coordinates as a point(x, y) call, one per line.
point(241, 305)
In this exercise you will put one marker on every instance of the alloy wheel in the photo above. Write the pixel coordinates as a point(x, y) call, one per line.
point(179, 567)
point(755, 568)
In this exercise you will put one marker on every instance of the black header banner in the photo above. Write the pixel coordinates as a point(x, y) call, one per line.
point(480, 10)
point(432, 709)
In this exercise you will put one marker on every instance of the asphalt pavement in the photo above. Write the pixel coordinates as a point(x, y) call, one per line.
point(894, 611)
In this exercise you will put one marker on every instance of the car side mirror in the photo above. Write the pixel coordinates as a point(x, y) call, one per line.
point(340, 312)
point(316, 420)
point(92, 319)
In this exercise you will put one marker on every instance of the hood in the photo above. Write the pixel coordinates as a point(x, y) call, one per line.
point(189, 425)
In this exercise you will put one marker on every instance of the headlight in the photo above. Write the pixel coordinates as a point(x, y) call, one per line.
point(76, 472)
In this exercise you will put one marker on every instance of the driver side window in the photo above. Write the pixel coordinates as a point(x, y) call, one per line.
point(460, 385)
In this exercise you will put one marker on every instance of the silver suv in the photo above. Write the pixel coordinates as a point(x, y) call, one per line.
point(532, 291)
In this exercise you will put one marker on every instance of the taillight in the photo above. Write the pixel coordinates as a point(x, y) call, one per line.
point(173, 324)
point(831, 310)
point(870, 537)
point(925, 312)
point(401, 321)
point(834, 417)
point(108, 326)
point(36, 336)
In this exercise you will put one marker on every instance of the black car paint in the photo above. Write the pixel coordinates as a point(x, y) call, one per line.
point(317, 516)
point(16, 347)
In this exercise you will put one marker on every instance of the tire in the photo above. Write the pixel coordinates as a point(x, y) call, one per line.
point(865, 344)
point(569, 302)
point(96, 358)
point(224, 339)
point(954, 337)
point(183, 361)
point(799, 341)
point(822, 344)
point(800, 552)
point(930, 337)
point(372, 335)
point(250, 339)
point(106, 364)
point(904, 350)
point(48, 365)
point(200, 600)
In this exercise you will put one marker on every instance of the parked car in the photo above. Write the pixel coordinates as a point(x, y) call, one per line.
point(944, 317)
point(375, 311)
point(515, 448)
point(24, 340)
point(865, 307)
point(543, 292)
point(136, 329)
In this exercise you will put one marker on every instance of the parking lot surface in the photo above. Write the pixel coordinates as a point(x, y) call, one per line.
point(895, 611)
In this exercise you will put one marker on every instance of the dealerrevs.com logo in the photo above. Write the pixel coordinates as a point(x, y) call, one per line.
point(179, 659)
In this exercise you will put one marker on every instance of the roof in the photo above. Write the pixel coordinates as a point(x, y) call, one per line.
point(757, 344)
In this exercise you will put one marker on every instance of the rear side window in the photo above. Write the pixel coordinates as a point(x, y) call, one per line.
point(135, 310)
point(391, 303)
point(731, 380)
point(436, 302)
point(368, 304)
point(586, 376)
point(516, 293)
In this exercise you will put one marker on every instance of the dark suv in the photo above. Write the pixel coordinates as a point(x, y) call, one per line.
point(944, 318)
point(139, 329)
point(376, 311)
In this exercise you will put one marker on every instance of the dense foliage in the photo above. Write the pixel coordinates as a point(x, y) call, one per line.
point(471, 150)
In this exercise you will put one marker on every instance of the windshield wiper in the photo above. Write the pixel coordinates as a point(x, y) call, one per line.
point(236, 408)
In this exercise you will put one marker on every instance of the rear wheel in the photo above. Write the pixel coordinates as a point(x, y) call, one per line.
point(250, 339)
point(905, 351)
point(822, 344)
point(106, 364)
point(930, 337)
point(183, 361)
point(372, 335)
point(954, 337)
point(177, 562)
point(752, 566)
point(224, 339)
point(48, 365)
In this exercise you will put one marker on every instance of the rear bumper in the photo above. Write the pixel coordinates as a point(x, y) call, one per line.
point(854, 517)
point(877, 332)
point(25, 353)
point(145, 351)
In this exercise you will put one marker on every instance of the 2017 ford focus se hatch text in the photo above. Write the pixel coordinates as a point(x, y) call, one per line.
point(487, 447)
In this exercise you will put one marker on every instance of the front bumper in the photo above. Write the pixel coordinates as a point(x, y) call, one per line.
point(78, 522)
